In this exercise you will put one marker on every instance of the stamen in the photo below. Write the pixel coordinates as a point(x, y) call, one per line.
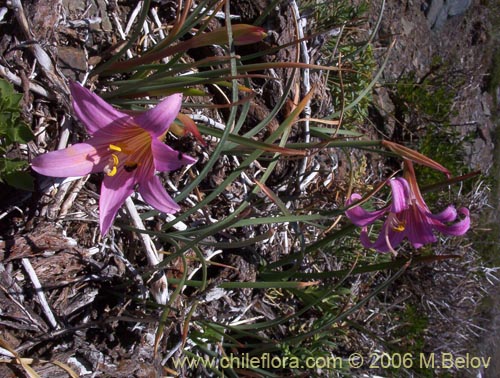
point(113, 147)
point(111, 168)
point(389, 245)
point(396, 224)
point(110, 172)
point(400, 227)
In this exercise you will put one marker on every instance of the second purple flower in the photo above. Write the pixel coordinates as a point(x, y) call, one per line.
point(406, 217)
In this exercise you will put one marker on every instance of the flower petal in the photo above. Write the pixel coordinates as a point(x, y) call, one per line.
point(419, 227)
point(167, 159)
point(395, 238)
point(359, 216)
point(447, 215)
point(154, 193)
point(96, 114)
point(458, 228)
point(158, 119)
point(400, 194)
point(77, 160)
point(114, 192)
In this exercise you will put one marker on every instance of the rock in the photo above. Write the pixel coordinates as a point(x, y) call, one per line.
point(433, 11)
point(72, 62)
point(438, 11)
point(458, 7)
point(407, 26)
point(486, 103)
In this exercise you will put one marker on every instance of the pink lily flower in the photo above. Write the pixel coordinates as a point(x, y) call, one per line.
point(127, 148)
point(407, 217)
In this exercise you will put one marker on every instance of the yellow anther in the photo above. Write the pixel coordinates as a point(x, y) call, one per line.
point(111, 168)
point(399, 227)
point(112, 172)
point(113, 147)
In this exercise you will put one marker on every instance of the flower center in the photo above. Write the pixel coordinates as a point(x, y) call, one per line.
point(120, 154)
point(396, 224)
point(399, 227)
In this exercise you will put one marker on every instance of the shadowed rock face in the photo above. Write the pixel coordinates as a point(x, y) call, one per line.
point(438, 11)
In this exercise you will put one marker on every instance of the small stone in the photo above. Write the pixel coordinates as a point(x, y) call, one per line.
point(72, 62)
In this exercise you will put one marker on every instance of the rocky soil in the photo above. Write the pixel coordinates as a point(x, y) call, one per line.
point(456, 32)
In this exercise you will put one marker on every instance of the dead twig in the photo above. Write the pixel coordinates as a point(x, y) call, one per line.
point(72, 196)
point(33, 87)
point(306, 81)
point(40, 55)
point(159, 288)
point(39, 293)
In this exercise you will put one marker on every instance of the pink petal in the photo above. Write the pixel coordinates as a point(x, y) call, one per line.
point(447, 215)
point(395, 238)
point(167, 159)
point(419, 227)
point(154, 193)
point(400, 193)
point(359, 216)
point(77, 160)
point(96, 114)
point(158, 119)
point(114, 192)
point(458, 228)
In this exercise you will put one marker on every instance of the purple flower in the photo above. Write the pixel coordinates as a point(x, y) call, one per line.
point(406, 217)
point(128, 148)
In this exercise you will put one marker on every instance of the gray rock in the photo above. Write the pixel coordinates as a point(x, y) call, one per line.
point(434, 9)
point(458, 7)
point(441, 18)
point(438, 11)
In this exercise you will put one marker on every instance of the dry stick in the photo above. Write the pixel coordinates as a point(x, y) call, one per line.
point(16, 80)
point(159, 288)
point(145, 28)
point(49, 70)
point(58, 208)
point(39, 292)
point(55, 207)
point(301, 23)
point(72, 196)
point(41, 56)
point(207, 120)
point(158, 23)
point(65, 132)
point(133, 16)
point(15, 293)
point(120, 31)
point(15, 289)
